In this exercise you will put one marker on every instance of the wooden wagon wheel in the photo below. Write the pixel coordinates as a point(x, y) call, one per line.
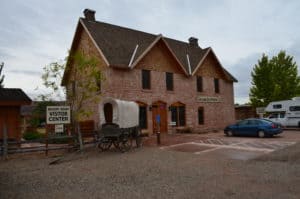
point(124, 142)
point(104, 144)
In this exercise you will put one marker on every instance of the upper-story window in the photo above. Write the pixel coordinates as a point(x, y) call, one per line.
point(146, 80)
point(199, 84)
point(217, 86)
point(169, 81)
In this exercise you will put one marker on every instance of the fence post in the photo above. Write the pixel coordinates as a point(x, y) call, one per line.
point(5, 144)
point(46, 143)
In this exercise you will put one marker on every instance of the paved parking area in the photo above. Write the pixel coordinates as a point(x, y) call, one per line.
point(219, 146)
point(246, 149)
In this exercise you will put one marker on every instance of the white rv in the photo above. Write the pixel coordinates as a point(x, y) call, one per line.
point(286, 112)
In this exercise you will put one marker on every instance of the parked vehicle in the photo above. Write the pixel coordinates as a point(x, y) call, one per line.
point(254, 127)
point(119, 125)
point(286, 112)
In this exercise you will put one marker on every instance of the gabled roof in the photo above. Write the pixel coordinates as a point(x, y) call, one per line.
point(13, 96)
point(122, 46)
point(118, 43)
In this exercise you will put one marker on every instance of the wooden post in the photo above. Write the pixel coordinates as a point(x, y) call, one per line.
point(5, 144)
point(79, 137)
point(46, 143)
point(157, 118)
point(158, 136)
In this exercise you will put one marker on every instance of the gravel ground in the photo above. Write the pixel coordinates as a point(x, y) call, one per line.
point(152, 173)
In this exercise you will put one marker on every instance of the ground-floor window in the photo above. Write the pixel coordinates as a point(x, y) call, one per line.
point(200, 115)
point(178, 113)
point(142, 115)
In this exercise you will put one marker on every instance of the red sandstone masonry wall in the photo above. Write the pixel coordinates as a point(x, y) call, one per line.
point(126, 84)
point(217, 115)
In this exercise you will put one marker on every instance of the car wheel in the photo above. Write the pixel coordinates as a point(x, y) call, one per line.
point(229, 133)
point(261, 134)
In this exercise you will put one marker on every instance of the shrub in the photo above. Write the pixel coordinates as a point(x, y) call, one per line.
point(32, 135)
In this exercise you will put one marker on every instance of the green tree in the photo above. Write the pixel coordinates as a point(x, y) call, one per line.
point(1, 77)
point(274, 79)
point(39, 113)
point(84, 83)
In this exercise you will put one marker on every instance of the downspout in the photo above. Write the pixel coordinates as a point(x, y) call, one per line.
point(133, 55)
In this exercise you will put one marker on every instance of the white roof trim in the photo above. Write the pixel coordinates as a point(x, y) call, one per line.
point(189, 64)
point(133, 55)
point(151, 46)
point(94, 42)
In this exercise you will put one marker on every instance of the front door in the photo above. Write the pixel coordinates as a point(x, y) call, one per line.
point(159, 117)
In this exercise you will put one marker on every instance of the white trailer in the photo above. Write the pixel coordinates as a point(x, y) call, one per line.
point(286, 112)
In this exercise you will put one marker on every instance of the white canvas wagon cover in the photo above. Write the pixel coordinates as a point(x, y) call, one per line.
point(125, 113)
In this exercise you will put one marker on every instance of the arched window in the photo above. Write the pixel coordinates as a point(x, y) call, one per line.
point(178, 113)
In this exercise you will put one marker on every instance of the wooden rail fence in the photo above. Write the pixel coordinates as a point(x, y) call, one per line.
point(50, 142)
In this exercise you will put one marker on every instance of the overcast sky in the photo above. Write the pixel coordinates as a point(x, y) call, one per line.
point(34, 33)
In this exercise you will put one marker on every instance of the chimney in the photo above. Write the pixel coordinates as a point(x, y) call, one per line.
point(89, 14)
point(193, 41)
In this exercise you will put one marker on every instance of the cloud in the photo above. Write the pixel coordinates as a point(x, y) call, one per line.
point(294, 50)
point(26, 72)
point(35, 33)
point(242, 71)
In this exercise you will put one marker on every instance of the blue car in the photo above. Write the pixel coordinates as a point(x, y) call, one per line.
point(254, 127)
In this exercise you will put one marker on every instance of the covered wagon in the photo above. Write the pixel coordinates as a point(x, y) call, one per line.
point(119, 122)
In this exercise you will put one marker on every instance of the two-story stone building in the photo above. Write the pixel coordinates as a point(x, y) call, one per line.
point(180, 81)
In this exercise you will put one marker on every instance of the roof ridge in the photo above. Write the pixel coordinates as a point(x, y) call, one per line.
point(187, 43)
point(132, 29)
point(118, 26)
